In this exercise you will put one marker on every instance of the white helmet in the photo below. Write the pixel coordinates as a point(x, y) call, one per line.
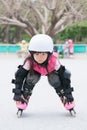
point(23, 41)
point(41, 43)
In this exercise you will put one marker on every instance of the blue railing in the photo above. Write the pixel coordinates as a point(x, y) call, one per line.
point(9, 48)
point(82, 48)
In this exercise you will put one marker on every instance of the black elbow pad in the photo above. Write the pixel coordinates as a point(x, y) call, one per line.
point(20, 75)
point(61, 70)
point(21, 72)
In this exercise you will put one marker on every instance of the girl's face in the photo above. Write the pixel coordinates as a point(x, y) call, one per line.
point(40, 57)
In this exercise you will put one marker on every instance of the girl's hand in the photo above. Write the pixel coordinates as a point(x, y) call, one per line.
point(18, 102)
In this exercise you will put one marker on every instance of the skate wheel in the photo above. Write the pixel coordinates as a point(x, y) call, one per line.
point(72, 112)
point(19, 113)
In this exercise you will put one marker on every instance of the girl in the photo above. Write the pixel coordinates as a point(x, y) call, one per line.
point(42, 61)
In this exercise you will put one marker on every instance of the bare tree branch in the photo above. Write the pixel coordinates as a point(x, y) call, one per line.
point(38, 16)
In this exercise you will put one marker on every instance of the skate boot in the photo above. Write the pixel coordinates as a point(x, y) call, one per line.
point(69, 105)
point(21, 106)
point(68, 100)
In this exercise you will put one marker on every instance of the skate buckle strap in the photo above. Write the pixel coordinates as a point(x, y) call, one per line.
point(16, 91)
point(13, 81)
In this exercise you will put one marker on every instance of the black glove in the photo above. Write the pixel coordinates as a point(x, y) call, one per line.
point(26, 93)
point(69, 98)
point(68, 94)
point(17, 97)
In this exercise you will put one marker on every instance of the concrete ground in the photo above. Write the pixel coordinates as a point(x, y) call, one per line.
point(45, 111)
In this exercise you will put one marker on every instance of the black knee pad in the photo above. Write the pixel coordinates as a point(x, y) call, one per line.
point(30, 82)
point(54, 80)
point(32, 79)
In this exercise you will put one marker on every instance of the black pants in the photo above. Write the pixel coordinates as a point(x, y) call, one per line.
point(31, 80)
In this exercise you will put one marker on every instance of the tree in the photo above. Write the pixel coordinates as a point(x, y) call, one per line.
point(42, 16)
